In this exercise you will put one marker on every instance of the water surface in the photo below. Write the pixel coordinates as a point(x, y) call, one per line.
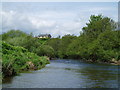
point(67, 73)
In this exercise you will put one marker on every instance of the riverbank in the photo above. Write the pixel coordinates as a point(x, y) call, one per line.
point(112, 62)
point(17, 59)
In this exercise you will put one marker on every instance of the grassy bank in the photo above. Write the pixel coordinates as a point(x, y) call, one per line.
point(16, 59)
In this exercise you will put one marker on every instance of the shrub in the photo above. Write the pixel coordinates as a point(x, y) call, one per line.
point(15, 59)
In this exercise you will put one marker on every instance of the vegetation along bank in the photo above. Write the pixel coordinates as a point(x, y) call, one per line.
point(98, 42)
point(16, 59)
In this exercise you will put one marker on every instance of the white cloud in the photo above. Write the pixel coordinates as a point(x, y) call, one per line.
point(14, 20)
point(38, 24)
point(51, 21)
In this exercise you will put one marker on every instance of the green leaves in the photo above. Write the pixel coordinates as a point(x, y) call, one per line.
point(45, 50)
point(97, 25)
point(15, 59)
point(98, 42)
point(19, 38)
point(13, 34)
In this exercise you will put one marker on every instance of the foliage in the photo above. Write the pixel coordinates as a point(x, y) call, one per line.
point(99, 41)
point(19, 38)
point(65, 41)
point(45, 50)
point(13, 34)
point(55, 44)
point(16, 59)
point(98, 24)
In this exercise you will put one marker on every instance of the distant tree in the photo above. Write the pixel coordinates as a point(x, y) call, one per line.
point(55, 44)
point(19, 38)
point(98, 24)
point(58, 36)
point(45, 50)
point(13, 34)
point(99, 41)
point(109, 42)
point(65, 41)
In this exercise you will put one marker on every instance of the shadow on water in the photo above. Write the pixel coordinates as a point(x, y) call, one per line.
point(7, 80)
point(10, 79)
point(98, 75)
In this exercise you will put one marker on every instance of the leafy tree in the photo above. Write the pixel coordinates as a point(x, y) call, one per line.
point(55, 44)
point(13, 34)
point(110, 43)
point(99, 41)
point(65, 41)
point(45, 50)
point(98, 24)
point(19, 38)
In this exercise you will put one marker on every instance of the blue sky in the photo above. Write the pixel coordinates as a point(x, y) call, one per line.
point(55, 18)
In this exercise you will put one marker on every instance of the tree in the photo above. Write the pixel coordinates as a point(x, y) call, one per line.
point(110, 43)
point(98, 24)
point(45, 50)
point(65, 41)
point(12, 34)
point(19, 38)
point(55, 44)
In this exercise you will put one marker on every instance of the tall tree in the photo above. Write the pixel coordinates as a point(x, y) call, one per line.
point(98, 24)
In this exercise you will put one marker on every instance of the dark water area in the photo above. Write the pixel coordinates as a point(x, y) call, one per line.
point(67, 73)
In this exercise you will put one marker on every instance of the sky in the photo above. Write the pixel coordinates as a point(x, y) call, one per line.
point(55, 18)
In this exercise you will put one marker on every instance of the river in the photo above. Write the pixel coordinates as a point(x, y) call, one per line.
point(67, 73)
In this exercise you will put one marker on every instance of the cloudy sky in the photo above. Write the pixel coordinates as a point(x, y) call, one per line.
point(55, 18)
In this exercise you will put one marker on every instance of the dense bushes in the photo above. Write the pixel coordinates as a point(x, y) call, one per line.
point(13, 34)
point(98, 42)
point(16, 59)
point(19, 38)
point(104, 48)
point(27, 41)
point(45, 50)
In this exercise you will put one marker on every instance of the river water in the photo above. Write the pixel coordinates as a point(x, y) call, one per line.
point(67, 73)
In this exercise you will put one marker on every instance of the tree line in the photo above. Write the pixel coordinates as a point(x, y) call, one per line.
point(98, 41)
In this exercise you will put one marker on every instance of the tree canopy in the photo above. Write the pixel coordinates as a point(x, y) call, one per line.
point(99, 41)
point(98, 24)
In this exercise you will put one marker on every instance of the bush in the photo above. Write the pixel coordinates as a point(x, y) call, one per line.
point(45, 50)
point(19, 38)
point(16, 59)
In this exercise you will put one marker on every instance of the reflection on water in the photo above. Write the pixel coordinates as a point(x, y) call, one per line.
point(100, 78)
point(67, 74)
